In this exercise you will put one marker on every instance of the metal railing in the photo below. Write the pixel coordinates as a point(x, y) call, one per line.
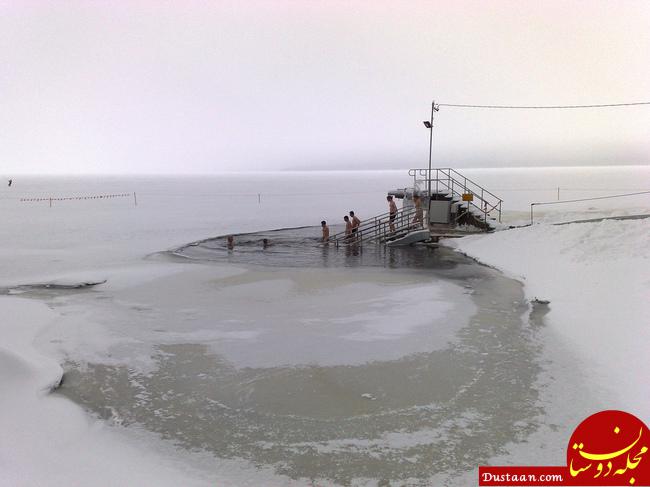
point(582, 199)
point(378, 228)
point(449, 181)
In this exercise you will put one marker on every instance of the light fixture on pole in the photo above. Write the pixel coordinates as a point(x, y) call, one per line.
point(429, 124)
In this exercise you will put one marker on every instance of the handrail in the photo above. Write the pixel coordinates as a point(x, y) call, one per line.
point(424, 171)
point(369, 221)
point(446, 179)
point(450, 182)
point(582, 199)
point(378, 227)
point(475, 183)
point(373, 222)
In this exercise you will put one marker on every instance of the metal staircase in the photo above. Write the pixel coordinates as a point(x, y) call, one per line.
point(472, 206)
point(377, 228)
point(448, 184)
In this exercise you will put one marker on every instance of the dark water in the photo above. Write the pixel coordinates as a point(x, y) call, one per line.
point(301, 247)
point(399, 421)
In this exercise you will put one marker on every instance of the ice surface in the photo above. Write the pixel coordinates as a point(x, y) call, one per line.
point(595, 276)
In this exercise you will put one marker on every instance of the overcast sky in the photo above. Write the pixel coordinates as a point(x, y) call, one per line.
point(164, 87)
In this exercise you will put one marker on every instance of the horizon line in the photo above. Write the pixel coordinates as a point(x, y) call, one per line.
point(276, 171)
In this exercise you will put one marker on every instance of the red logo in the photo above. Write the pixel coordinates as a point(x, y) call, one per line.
point(607, 448)
point(610, 448)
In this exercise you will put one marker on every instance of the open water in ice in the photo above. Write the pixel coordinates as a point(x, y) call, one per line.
point(302, 247)
point(335, 365)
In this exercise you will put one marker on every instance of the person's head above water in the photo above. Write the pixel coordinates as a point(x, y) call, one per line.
point(346, 218)
point(389, 198)
point(351, 213)
point(323, 223)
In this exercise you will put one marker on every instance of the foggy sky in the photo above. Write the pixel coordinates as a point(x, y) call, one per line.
point(200, 87)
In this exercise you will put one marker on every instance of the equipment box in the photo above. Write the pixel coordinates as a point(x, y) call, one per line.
point(439, 211)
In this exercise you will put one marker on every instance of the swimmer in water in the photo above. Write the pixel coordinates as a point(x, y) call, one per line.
point(326, 231)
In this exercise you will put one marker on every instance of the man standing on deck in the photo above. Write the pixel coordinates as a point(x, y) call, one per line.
point(392, 212)
point(326, 231)
point(355, 222)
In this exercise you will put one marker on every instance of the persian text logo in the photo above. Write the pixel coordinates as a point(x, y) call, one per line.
point(609, 448)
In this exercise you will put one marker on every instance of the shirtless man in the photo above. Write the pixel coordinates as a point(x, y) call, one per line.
point(348, 227)
point(326, 231)
point(417, 202)
point(392, 212)
point(355, 222)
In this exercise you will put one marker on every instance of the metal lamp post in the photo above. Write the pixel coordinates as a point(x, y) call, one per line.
point(429, 124)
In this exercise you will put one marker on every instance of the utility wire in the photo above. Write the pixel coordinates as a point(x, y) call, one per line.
point(543, 107)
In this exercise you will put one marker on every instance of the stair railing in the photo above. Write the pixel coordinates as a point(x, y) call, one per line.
point(450, 181)
point(379, 228)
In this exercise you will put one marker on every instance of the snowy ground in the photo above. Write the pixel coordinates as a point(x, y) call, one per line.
point(597, 278)
point(594, 274)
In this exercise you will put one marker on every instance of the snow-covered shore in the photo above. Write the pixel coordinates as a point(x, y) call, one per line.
point(597, 278)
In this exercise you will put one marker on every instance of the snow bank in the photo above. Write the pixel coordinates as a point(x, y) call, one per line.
point(43, 435)
point(597, 278)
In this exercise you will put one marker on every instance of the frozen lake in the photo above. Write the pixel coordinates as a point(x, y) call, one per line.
point(294, 363)
point(339, 367)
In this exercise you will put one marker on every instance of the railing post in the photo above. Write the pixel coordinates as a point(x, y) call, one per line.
point(484, 207)
point(531, 213)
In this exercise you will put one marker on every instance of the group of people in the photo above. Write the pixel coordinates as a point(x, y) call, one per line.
point(352, 221)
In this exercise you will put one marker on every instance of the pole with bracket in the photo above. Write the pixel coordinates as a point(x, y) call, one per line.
point(433, 105)
point(429, 124)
